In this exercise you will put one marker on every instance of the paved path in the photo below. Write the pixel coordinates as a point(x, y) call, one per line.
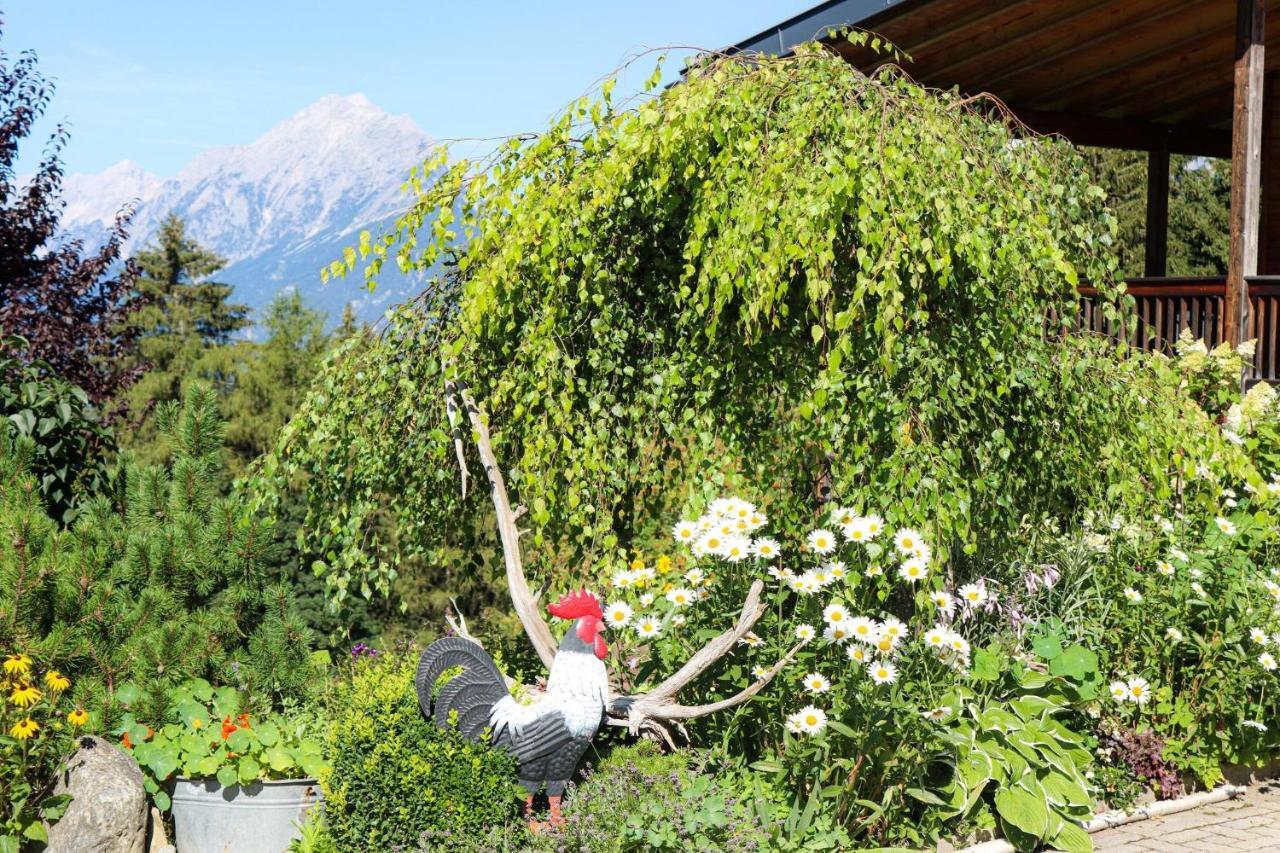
point(1251, 822)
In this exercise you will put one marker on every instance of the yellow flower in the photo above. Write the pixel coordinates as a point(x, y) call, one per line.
point(24, 729)
point(197, 723)
point(664, 564)
point(78, 717)
point(637, 563)
point(57, 681)
point(17, 664)
point(24, 697)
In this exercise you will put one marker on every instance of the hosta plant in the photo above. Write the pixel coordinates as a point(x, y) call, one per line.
point(210, 736)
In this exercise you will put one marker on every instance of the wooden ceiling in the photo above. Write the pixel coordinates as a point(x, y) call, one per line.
point(1130, 73)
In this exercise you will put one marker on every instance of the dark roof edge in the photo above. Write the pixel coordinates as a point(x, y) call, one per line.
point(782, 38)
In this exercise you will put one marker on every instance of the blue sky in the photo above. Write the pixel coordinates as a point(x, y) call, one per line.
point(157, 82)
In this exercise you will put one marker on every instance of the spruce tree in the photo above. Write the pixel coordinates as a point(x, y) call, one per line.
point(160, 579)
point(187, 318)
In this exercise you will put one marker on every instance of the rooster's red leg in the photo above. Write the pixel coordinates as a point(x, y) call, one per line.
point(534, 826)
point(556, 817)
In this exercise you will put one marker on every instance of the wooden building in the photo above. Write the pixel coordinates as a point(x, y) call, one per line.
point(1199, 77)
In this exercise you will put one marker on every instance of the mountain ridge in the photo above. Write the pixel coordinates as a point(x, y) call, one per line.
point(278, 208)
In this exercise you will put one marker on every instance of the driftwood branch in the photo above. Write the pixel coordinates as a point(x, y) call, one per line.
point(654, 712)
point(526, 606)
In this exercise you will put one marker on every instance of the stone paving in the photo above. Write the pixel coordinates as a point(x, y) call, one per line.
point(1250, 822)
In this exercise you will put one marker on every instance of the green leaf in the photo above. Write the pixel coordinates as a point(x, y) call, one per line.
point(1077, 663)
point(278, 759)
point(249, 770)
point(986, 666)
point(226, 776)
point(1047, 646)
point(1071, 838)
point(1023, 809)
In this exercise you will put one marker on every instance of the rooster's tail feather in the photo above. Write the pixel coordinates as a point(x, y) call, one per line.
point(471, 693)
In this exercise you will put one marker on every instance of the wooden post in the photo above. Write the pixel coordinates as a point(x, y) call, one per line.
point(1246, 166)
point(1269, 251)
point(1157, 248)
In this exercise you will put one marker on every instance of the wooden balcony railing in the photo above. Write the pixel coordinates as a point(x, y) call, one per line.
point(1166, 306)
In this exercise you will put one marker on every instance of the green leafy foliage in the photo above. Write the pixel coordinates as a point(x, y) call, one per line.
point(55, 428)
point(208, 733)
point(781, 277)
point(159, 581)
point(396, 775)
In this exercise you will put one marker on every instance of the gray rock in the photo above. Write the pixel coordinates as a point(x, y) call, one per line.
point(108, 811)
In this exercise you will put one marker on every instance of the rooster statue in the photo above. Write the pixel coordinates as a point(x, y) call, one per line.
point(547, 737)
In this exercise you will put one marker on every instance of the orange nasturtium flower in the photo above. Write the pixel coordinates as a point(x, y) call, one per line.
point(25, 697)
point(25, 729)
point(17, 664)
point(78, 717)
point(56, 681)
point(127, 741)
point(228, 727)
point(243, 721)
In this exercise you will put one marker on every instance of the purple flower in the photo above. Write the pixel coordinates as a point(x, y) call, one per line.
point(360, 650)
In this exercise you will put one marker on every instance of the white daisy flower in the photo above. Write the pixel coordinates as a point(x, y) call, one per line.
point(685, 532)
point(973, 593)
point(736, 548)
point(936, 714)
point(923, 553)
point(1139, 690)
point(837, 632)
point(842, 516)
point(1225, 526)
point(618, 614)
point(834, 613)
point(856, 531)
point(812, 720)
point(1196, 574)
point(759, 671)
point(680, 596)
point(710, 544)
point(721, 507)
point(857, 654)
point(875, 570)
point(765, 548)
point(1178, 554)
point(695, 576)
point(1197, 588)
point(1173, 634)
point(805, 632)
point(912, 570)
point(1132, 595)
point(648, 627)
point(794, 725)
point(646, 599)
point(864, 629)
point(906, 540)
point(757, 520)
point(623, 579)
point(1119, 691)
point(678, 621)
point(642, 576)
point(943, 601)
point(883, 672)
point(937, 637)
point(893, 627)
point(1164, 567)
point(751, 639)
point(821, 577)
point(958, 644)
point(1268, 661)
point(835, 570)
point(815, 682)
point(875, 524)
point(1259, 636)
point(821, 541)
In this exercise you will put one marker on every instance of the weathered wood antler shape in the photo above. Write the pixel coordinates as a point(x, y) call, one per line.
point(656, 711)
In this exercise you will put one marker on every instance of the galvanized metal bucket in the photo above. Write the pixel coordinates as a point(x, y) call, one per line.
point(261, 817)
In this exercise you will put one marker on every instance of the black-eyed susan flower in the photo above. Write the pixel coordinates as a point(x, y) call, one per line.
point(78, 717)
point(25, 697)
point(17, 664)
point(24, 729)
point(56, 681)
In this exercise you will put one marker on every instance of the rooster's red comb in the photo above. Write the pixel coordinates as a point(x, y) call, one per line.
point(575, 605)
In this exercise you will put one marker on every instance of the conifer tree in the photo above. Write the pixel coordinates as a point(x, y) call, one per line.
point(187, 317)
point(159, 580)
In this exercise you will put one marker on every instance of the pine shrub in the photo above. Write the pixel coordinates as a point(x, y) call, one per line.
point(158, 581)
point(396, 778)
